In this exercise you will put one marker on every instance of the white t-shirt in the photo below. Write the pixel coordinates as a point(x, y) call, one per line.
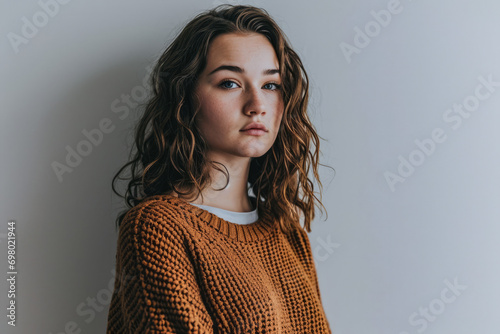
point(241, 218)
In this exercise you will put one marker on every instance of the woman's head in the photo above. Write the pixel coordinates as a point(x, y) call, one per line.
point(239, 86)
point(174, 138)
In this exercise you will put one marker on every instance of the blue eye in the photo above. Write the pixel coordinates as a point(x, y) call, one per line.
point(228, 84)
point(272, 86)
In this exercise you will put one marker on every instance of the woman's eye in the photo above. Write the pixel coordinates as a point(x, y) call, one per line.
point(228, 84)
point(272, 86)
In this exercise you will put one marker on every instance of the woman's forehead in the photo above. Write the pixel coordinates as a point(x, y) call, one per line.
point(241, 49)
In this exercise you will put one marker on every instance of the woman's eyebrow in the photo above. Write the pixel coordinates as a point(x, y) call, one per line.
point(238, 69)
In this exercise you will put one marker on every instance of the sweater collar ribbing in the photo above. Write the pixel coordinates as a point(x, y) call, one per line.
point(255, 231)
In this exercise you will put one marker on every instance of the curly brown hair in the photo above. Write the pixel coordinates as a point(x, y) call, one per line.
point(170, 152)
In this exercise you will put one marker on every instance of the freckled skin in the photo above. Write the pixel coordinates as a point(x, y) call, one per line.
point(243, 98)
point(231, 98)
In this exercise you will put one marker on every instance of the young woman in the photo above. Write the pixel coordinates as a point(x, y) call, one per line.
point(196, 252)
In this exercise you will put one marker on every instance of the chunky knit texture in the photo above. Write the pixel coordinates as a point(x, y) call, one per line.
point(182, 269)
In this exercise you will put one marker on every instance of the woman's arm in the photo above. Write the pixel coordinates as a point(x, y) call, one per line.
point(160, 294)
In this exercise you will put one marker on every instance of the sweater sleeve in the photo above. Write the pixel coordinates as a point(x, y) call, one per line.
point(313, 273)
point(161, 294)
point(309, 259)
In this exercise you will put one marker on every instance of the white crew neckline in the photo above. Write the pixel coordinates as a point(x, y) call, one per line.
point(241, 218)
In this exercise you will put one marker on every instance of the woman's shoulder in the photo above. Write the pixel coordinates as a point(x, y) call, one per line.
point(153, 229)
point(158, 212)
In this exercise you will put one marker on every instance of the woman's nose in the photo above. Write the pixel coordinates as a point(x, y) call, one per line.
point(254, 102)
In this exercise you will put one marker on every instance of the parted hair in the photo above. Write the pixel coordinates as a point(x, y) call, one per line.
point(170, 153)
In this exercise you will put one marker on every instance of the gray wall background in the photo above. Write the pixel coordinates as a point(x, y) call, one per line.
point(407, 104)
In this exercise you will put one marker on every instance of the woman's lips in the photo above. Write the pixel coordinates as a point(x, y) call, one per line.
point(254, 132)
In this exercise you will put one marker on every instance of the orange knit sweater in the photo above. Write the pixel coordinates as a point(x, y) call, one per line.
point(182, 269)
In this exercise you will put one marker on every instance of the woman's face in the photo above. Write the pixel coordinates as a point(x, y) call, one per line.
point(240, 85)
